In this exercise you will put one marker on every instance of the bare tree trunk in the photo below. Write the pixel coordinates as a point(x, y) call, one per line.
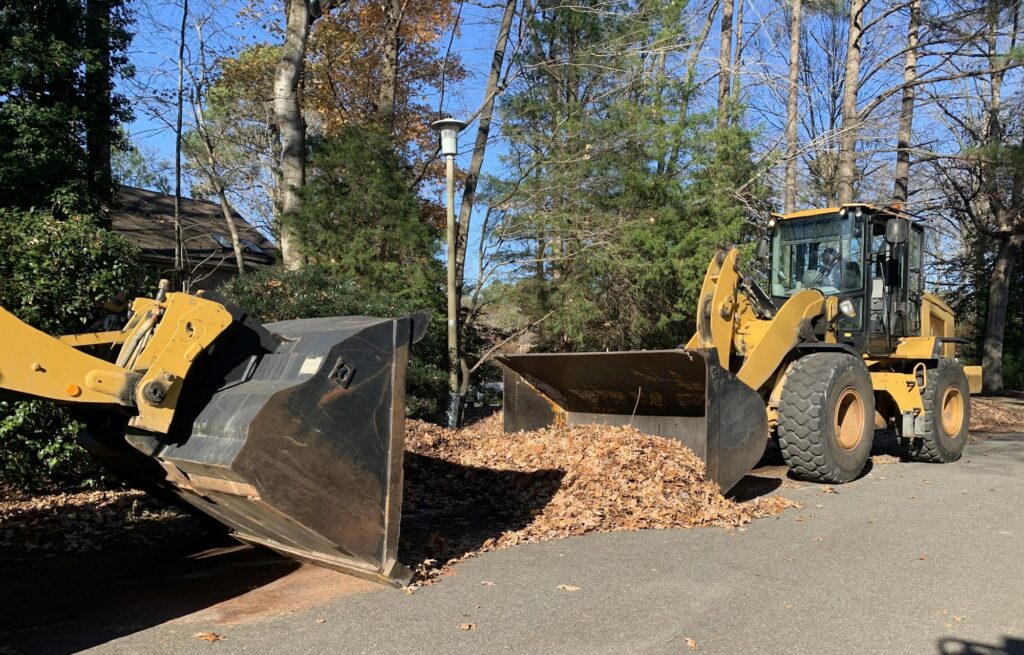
point(179, 246)
point(688, 88)
point(288, 111)
point(1010, 240)
point(724, 61)
point(212, 170)
point(393, 14)
point(229, 219)
point(98, 88)
point(483, 131)
point(998, 301)
point(791, 108)
point(851, 83)
point(901, 187)
point(737, 60)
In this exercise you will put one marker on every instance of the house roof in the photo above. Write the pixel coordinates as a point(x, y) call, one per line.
point(146, 218)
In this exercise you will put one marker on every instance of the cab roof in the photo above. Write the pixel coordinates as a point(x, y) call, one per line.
point(874, 209)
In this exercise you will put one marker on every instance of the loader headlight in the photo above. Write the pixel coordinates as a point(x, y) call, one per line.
point(847, 308)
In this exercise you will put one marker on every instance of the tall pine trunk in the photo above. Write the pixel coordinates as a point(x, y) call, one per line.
point(292, 127)
point(98, 90)
point(725, 61)
point(1007, 256)
point(483, 132)
point(791, 107)
point(901, 190)
point(389, 63)
point(851, 119)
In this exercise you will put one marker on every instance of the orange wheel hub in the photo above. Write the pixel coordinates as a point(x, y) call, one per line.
point(848, 421)
point(952, 411)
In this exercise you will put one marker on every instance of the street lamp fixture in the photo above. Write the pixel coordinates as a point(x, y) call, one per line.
point(449, 129)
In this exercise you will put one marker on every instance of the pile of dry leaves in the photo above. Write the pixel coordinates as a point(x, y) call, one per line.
point(35, 524)
point(996, 415)
point(554, 483)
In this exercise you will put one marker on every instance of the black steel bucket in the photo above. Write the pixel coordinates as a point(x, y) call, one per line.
point(293, 438)
point(682, 394)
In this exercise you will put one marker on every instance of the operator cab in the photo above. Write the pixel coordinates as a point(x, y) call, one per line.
point(869, 257)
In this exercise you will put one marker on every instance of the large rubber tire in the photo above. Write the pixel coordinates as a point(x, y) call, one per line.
point(947, 416)
point(826, 417)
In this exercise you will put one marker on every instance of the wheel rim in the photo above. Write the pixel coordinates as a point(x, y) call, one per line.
point(952, 412)
point(848, 421)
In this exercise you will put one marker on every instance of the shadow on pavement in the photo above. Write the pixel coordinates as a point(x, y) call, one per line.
point(70, 603)
point(450, 510)
point(954, 646)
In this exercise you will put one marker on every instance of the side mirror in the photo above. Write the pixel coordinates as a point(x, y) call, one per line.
point(762, 249)
point(896, 230)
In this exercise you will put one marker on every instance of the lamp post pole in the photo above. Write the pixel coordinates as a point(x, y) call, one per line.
point(449, 129)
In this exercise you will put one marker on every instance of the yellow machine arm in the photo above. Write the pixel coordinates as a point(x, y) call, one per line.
point(727, 323)
point(157, 348)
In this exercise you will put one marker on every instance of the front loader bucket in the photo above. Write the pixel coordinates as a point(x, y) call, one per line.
point(297, 446)
point(682, 394)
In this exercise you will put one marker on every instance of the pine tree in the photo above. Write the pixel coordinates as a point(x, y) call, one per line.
point(621, 191)
point(360, 219)
point(58, 63)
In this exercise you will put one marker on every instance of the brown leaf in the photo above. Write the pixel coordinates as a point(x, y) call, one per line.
point(692, 644)
point(487, 583)
point(467, 626)
point(609, 478)
point(568, 587)
point(922, 557)
point(209, 636)
point(828, 490)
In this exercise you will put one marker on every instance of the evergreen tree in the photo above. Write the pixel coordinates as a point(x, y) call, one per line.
point(58, 62)
point(620, 191)
point(360, 219)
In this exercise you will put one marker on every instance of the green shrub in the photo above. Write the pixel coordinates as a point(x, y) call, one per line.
point(313, 292)
point(55, 275)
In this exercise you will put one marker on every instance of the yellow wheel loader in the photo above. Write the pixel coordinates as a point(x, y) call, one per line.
point(291, 434)
point(844, 339)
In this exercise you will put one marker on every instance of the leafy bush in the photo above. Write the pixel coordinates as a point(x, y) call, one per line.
point(55, 275)
point(313, 292)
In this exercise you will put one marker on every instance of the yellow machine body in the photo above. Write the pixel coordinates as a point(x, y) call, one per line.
point(757, 337)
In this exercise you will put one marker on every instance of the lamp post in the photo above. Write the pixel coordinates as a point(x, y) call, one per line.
point(449, 129)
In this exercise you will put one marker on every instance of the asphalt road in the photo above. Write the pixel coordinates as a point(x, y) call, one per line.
point(910, 558)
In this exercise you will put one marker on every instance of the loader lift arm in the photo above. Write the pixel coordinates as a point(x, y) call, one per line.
point(291, 434)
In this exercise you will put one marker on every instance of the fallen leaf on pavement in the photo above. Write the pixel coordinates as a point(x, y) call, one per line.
point(828, 490)
point(321, 620)
point(467, 626)
point(922, 557)
point(692, 644)
point(487, 583)
point(208, 636)
point(568, 587)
